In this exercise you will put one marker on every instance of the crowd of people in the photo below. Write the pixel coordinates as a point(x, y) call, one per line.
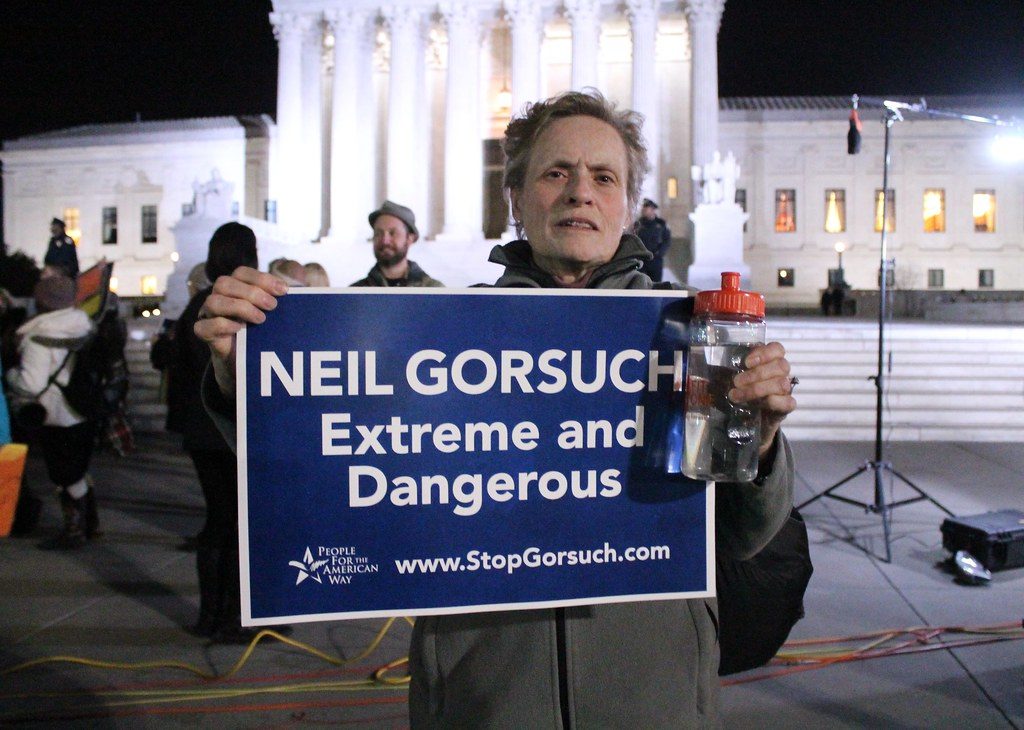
point(574, 167)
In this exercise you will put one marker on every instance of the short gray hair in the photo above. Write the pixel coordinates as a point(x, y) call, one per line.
point(524, 130)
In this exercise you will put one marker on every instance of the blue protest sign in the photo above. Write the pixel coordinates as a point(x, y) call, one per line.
point(406, 452)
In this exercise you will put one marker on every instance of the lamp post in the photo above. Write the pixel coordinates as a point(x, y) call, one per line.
point(840, 247)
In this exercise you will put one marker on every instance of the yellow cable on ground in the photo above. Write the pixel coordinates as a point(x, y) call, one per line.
point(171, 664)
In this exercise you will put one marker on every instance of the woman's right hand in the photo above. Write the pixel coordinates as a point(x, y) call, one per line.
point(236, 300)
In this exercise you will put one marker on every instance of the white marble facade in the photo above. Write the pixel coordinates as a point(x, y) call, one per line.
point(408, 91)
point(398, 99)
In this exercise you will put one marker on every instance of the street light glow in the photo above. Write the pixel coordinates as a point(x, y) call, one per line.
point(1008, 148)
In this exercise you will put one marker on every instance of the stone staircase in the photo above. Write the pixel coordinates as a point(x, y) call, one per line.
point(949, 382)
point(944, 382)
point(145, 411)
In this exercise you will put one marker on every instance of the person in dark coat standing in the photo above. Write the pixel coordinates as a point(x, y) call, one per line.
point(654, 232)
point(231, 246)
point(61, 252)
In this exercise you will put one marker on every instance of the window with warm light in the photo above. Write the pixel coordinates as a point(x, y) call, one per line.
point(785, 210)
point(936, 278)
point(986, 278)
point(934, 210)
point(148, 224)
point(888, 203)
point(984, 211)
point(148, 284)
point(109, 226)
point(672, 188)
point(835, 210)
point(72, 225)
point(786, 277)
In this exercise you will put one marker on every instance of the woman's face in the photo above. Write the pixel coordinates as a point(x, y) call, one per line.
point(573, 203)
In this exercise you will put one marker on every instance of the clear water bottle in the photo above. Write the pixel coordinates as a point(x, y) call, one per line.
point(721, 437)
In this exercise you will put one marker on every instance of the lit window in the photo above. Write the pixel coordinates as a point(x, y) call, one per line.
point(835, 210)
point(984, 211)
point(149, 224)
point(934, 210)
point(785, 211)
point(672, 188)
point(786, 277)
point(110, 225)
point(986, 278)
point(148, 284)
point(889, 202)
point(936, 278)
point(72, 224)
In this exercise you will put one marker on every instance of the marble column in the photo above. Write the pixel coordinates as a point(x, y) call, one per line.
point(463, 147)
point(703, 18)
point(643, 23)
point(403, 110)
point(527, 31)
point(584, 17)
point(369, 161)
point(348, 27)
point(312, 112)
point(286, 171)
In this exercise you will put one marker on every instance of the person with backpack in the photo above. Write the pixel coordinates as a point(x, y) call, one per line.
point(49, 346)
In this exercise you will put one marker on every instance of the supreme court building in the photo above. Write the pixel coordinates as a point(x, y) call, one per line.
point(408, 99)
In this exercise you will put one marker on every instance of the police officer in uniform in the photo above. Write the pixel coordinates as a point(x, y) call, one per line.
point(654, 232)
point(61, 251)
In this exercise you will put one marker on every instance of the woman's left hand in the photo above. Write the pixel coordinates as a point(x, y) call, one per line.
point(766, 383)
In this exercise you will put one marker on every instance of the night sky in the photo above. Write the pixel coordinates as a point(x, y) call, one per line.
point(67, 62)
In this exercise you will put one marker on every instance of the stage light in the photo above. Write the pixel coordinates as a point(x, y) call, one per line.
point(1008, 148)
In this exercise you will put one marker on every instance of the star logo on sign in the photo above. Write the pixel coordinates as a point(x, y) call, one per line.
point(307, 568)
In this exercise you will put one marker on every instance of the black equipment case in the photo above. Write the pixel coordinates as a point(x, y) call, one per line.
point(995, 539)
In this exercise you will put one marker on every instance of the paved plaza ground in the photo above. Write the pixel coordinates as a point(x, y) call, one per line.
point(129, 596)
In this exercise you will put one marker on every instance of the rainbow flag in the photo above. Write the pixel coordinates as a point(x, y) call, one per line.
point(93, 286)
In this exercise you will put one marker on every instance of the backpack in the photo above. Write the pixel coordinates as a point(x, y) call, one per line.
point(99, 377)
point(84, 389)
point(761, 599)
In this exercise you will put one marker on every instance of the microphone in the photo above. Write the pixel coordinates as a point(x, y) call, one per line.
point(853, 136)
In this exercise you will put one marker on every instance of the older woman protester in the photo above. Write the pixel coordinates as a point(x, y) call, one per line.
point(573, 174)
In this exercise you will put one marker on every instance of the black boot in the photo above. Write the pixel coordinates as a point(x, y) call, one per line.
point(207, 568)
point(72, 536)
point(229, 629)
point(92, 517)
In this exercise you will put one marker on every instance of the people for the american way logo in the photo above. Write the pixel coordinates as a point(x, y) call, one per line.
point(308, 568)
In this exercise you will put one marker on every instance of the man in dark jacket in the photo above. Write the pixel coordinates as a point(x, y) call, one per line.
point(231, 246)
point(654, 232)
point(394, 230)
point(61, 252)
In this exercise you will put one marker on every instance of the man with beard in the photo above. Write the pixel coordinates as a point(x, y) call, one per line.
point(394, 230)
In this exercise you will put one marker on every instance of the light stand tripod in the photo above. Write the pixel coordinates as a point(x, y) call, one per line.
point(879, 465)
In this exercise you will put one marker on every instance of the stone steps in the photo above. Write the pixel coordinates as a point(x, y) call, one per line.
point(950, 382)
point(947, 383)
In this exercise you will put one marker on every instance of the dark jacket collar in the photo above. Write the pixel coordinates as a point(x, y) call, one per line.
point(415, 274)
point(624, 266)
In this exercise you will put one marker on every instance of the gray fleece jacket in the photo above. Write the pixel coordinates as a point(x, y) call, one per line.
point(648, 664)
point(651, 664)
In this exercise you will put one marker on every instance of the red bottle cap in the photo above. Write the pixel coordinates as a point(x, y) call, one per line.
point(730, 299)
